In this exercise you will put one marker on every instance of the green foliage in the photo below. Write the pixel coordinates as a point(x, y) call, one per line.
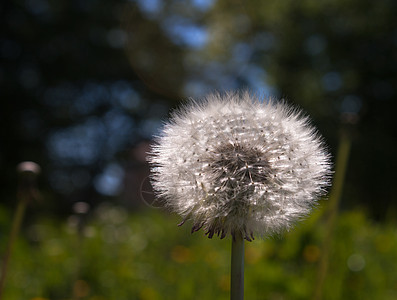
point(143, 255)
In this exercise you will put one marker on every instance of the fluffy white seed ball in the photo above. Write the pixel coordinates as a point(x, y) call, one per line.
point(235, 164)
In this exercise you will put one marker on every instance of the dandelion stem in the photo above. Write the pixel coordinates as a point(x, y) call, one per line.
point(237, 268)
point(27, 192)
point(334, 199)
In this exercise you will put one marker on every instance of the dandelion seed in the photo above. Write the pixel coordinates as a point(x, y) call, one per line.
point(265, 170)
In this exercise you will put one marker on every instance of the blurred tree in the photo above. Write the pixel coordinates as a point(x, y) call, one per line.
point(337, 59)
point(83, 83)
point(70, 99)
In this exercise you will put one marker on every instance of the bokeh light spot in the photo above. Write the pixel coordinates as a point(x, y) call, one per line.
point(356, 262)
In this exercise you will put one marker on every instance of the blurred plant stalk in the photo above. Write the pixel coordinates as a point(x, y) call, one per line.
point(332, 210)
point(27, 192)
point(79, 288)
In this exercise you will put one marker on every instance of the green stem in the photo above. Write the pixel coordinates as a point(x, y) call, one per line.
point(237, 269)
point(334, 199)
point(26, 192)
point(16, 224)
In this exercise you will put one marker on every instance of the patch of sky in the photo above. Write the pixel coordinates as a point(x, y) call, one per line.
point(220, 76)
point(91, 96)
point(80, 144)
point(196, 88)
point(123, 93)
point(265, 93)
point(119, 130)
point(150, 127)
point(150, 7)
point(183, 32)
point(85, 100)
point(110, 181)
point(227, 82)
point(213, 70)
point(256, 78)
point(99, 136)
point(242, 53)
point(203, 5)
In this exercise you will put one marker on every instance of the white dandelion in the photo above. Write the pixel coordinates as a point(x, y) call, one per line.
point(234, 164)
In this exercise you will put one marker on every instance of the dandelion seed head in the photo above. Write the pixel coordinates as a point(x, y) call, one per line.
point(235, 164)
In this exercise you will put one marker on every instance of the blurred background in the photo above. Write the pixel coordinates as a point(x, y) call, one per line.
point(84, 87)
